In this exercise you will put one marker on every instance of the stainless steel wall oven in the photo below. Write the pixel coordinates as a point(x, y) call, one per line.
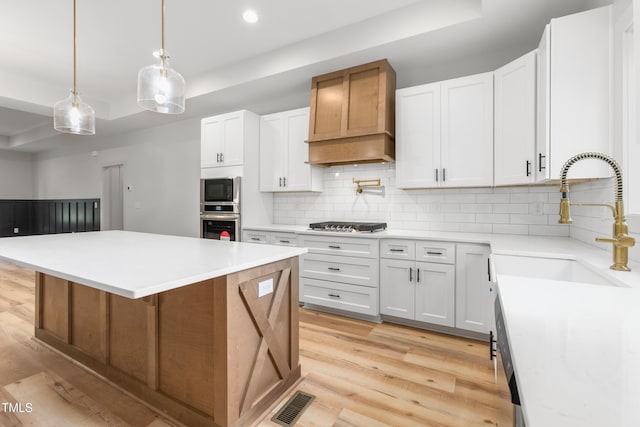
point(220, 208)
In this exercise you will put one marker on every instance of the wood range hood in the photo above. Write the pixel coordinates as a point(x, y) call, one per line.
point(353, 116)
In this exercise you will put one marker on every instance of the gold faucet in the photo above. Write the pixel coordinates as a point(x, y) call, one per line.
point(365, 183)
point(621, 240)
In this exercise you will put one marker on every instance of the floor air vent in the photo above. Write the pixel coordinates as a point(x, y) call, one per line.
point(293, 409)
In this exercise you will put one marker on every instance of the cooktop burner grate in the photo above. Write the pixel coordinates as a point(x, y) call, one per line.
point(348, 226)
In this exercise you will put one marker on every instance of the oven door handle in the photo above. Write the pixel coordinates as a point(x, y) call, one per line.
point(220, 217)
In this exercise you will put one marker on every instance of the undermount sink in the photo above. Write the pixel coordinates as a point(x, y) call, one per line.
point(563, 269)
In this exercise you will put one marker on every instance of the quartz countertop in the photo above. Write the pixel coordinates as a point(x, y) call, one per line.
point(136, 265)
point(575, 346)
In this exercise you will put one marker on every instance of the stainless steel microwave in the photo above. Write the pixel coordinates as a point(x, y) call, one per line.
point(220, 195)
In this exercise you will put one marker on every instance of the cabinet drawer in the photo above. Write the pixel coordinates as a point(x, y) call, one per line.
point(255, 236)
point(353, 298)
point(351, 246)
point(353, 270)
point(283, 239)
point(443, 253)
point(398, 249)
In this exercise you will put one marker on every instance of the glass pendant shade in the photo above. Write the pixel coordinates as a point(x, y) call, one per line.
point(160, 87)
point(72, 115)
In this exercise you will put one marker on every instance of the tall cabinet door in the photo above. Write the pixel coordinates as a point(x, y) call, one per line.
point(474, 299)
point(515, 121)
point(467, 131)
point(435, 293)
point(397, 278)
point(212, 141)
point(296, 128)
point(233, 136)
point(418, 136)
point(581, 79)
point(272, 152)
point(542, 106)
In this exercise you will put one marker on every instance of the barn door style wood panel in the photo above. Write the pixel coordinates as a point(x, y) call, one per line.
point(214, 353)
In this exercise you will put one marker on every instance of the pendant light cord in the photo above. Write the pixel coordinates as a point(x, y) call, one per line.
point(162, 27)
point(75, 92)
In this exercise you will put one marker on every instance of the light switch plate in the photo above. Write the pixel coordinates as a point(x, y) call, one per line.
point(265, 287)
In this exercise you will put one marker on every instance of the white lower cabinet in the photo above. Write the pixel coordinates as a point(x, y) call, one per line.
point(270, 237)
point(340, 273)
point(418, 290)
point(474, 299)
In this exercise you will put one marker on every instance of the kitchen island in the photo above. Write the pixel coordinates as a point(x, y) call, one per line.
point(203, 330)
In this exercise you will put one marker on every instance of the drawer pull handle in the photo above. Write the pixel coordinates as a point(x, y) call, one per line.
point(334, 247)
point(417, 275)
point(334, 295)
point(284, 241)
point(396, 250)
point(434, 253)
point(333, 268)
point(256, 239)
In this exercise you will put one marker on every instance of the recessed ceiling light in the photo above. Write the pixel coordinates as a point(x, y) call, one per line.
point(250, 16)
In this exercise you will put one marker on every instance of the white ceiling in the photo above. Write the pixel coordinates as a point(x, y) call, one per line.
point(229, 64)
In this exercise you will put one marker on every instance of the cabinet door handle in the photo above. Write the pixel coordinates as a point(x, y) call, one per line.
point(284, 181)
point(285, 241)
point(489, 269)
point(280, 182)
point(528, 168)
point(222, 157)
point(411, 274)
point(444, 174)
point(333, 268)
point(492, 346)
point(417, 275)
point(540, 157)
point(334, 295)
point(217, 157)
point(396, 250)
point(433, 253)
point(334, 247)
point(436, 174)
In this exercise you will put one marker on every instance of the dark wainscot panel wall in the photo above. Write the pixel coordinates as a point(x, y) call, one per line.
point(25, 217)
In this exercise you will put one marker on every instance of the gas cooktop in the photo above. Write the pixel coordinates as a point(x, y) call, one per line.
point(348, 226)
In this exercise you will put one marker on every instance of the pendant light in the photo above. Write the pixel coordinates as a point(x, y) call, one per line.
point(160, 87)
point(72, 115)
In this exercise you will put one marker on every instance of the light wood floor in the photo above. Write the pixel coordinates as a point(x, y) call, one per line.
point(362, 374)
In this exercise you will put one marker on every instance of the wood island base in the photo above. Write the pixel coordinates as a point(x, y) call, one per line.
point(213, 353)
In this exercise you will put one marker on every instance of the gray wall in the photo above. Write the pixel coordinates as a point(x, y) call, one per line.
point(161, 164)
point(16, 175)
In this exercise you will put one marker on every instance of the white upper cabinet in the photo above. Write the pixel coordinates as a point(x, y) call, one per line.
point(417, 136)
point(222, 139)
point(515, 122)
point(444, 133)
point(284, 153)
point(574, 93)
point(467, 131)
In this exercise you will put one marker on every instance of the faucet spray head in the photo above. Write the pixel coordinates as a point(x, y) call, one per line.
point(565, 207)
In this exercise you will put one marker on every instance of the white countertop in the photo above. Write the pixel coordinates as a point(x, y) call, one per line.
point(575, 347)
point(135, 265)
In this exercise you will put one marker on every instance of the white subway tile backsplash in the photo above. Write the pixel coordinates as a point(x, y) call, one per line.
point(504, 197)
point(529, 219)
point(520, 208)
point(476, 228)
point(510, 229)
point(514, 210)
point(529, 197)
point(492, 218)
point(549, 230)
